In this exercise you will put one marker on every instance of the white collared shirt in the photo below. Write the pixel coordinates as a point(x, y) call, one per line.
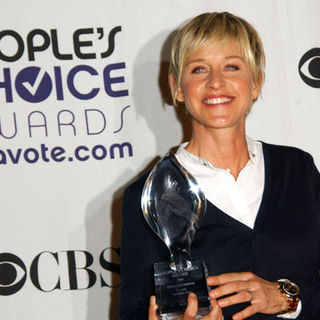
point(239, 198)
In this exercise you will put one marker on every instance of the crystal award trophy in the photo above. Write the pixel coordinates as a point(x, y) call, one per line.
point(173, 205)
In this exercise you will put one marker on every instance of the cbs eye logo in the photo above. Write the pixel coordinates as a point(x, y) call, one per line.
point(309, 68)
point(13, 274)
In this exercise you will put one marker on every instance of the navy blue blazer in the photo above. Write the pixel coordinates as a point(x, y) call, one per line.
point(284, 243)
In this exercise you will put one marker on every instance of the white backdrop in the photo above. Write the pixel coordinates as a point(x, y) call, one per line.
point(76, 127)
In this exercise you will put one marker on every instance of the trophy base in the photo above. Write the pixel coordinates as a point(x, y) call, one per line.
point(202, 312)
point(173, 283)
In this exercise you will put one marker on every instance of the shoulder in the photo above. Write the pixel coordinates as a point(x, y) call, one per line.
point(288, 160)
point(131, 197)
point(282, 153)
point(136, 186)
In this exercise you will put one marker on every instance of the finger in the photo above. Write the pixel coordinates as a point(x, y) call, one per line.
point(152, 314)
point(213, 303)
point(245, 313)
point(230, 288)
point(192, 307)
point(244, 296)
point(229, 277)
point(215, 313)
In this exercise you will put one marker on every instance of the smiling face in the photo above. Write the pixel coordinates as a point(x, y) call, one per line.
point(217, 86)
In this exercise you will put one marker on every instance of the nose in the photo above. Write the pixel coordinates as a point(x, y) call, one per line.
point(216, 80)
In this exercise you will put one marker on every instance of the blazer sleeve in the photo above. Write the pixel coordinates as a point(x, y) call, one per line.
point(310, 287)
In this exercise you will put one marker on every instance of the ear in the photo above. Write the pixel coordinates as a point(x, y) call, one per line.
point(257, 87)
point(175, 89)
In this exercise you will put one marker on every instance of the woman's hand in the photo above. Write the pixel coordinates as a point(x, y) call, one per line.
point(246, 286)
point(191, 310)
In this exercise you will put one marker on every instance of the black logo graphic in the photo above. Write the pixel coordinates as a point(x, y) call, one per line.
point(11, 268)
point(76, 264)
point(309, 68)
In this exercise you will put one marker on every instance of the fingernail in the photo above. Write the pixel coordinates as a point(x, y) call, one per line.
point(221, 303)
point(213, 294)
point(193, 295)
point(152, 300)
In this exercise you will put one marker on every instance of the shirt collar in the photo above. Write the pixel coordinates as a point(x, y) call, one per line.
point(183, 153)
point(252, 149)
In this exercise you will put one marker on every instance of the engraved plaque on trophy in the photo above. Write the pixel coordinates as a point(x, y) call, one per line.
point(173, 205)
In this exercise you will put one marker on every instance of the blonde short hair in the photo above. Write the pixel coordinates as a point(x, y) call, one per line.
point(219, 27)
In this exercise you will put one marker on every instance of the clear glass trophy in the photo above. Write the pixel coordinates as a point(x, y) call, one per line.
point(173, 205)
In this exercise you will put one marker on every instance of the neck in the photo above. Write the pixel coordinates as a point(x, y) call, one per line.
point(223, 148)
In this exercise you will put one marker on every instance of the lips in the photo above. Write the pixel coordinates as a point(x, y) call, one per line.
point(217, 100)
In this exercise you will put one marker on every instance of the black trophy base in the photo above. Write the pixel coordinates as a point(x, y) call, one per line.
point(174, 281)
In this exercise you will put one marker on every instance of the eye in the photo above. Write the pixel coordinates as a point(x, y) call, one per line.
point(198, 69)
point(232, 68)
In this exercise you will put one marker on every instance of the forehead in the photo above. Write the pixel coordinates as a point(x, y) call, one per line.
point(214, 50)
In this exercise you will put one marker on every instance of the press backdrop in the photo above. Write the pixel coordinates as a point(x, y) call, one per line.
point(84, 108)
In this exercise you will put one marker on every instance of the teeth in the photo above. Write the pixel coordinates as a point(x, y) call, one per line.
point(217, 100)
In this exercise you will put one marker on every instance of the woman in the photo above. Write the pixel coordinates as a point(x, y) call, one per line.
point(262, 220)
